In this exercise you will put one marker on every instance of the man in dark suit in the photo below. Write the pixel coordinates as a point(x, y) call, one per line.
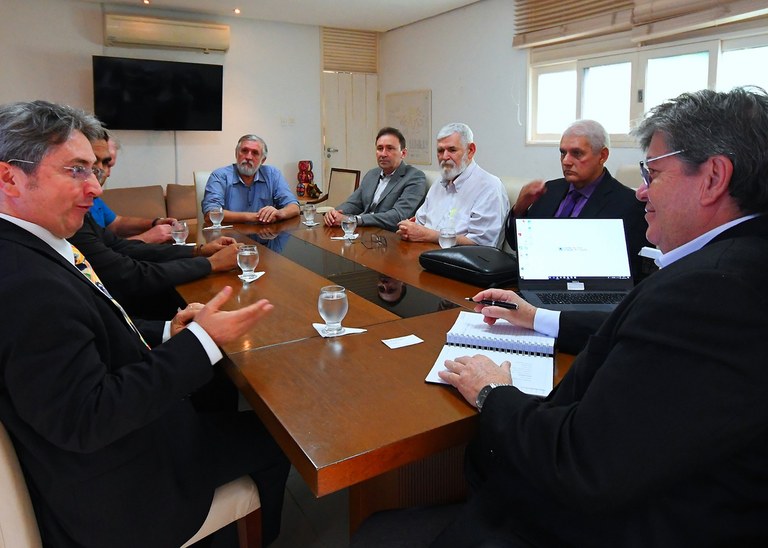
point(142, 276)
point(387, 194)
point(658, 435)
point(98, 406)
point(587, 190)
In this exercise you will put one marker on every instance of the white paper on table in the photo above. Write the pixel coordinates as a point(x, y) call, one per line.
point(399, 342)
point(353, 237)
point(256, 276)
point(216, 227)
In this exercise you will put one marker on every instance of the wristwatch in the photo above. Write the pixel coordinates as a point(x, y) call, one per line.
point(484, 391)
point(359, 220)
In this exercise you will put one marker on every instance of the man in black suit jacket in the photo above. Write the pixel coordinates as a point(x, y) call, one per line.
point(142, 276)
point(113, 451)
point(657, 436)
point(584, 149)
point(387, 194)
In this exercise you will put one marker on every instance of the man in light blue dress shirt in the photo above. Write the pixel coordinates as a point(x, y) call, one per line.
point(249, 191)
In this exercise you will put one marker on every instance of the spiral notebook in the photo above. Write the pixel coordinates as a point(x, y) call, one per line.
point(530, 353)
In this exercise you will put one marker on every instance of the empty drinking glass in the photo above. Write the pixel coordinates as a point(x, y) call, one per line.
point(308, 211)
point(447, 237)
point(216, 215)
point(248, 260)
point(348, 225)
point(179, 232)
point(332, 306)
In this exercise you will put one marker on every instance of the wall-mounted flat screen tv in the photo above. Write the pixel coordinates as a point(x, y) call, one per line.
point(157, 95)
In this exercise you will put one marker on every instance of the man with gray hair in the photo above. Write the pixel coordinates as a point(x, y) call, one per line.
point(586, 190)
point(468, 200)
point(249, 191)
point(102, 408)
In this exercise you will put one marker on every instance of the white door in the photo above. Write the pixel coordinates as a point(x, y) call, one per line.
point(350, 121)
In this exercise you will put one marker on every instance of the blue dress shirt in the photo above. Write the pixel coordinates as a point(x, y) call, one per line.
point(101, 213)
point(225, 188)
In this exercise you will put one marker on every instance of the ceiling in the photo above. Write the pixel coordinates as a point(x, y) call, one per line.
point(371, 15)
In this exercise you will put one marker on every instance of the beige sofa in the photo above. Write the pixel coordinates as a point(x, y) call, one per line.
point(153, 201)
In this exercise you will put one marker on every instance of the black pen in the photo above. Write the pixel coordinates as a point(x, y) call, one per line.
point(486, 302)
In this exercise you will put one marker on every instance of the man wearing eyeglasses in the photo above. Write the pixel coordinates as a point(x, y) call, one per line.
point(151, 231)
point(657, 434)
point(98, 404)
point(142, 276)
point(587, 190)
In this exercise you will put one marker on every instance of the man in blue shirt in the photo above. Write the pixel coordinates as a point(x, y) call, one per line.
point(249, 191)
point(150, 231)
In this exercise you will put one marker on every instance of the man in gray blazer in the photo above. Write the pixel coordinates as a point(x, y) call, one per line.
point(388, 193)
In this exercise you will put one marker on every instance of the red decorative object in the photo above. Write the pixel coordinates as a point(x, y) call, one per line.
point(306, 185)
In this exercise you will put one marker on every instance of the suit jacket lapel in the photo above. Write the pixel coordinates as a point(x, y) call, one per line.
point(13, 233)
point(394, 181)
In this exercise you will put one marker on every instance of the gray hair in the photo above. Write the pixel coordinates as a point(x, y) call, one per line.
point(594, 132)
point(465, 134)
point(707, 123)
point(252, 137)
point(28, 130)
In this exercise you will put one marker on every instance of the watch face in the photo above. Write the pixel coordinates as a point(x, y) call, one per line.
point(482, 395)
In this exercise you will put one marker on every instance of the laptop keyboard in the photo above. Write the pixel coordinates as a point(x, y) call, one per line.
point(571, 297)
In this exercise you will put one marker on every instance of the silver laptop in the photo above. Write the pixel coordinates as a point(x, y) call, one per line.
point(573, 264)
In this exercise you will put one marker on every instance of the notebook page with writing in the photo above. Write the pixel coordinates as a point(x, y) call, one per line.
point(530, 353)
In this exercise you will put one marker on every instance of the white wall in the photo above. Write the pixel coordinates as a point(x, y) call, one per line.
point(271, 86)
point(466, 58)
point(272, 75)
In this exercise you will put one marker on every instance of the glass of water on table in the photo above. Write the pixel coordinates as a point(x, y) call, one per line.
point(248, 260)
point(216, 215)
point(179, 232)
point(333, 306)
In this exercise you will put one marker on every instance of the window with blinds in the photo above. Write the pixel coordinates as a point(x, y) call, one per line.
point(350, 50)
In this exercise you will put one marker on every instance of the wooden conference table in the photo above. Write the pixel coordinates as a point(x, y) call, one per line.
point(349, 411)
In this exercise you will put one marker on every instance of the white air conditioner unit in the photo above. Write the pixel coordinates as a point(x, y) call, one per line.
point(130, 30)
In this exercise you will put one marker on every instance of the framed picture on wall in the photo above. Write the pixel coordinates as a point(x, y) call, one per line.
point(411, 113)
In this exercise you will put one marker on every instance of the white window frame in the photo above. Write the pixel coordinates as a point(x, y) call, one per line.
point(638, 56)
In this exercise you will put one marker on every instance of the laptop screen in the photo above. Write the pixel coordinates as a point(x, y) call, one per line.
point(571, 249)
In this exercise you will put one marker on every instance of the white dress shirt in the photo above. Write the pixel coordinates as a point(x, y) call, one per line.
point(475, 204)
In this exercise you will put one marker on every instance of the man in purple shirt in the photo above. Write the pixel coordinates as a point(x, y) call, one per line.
point(587, 190)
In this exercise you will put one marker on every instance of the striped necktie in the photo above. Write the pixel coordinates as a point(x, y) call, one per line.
point(85, 267)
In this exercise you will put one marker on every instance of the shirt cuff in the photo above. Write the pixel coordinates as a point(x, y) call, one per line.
point(211, 348)
point(547, 321)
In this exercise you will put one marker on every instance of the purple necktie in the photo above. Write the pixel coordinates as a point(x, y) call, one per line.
point(567, 205)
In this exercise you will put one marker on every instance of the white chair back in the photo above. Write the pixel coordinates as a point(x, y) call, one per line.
point(18, 525)
point(201, 178)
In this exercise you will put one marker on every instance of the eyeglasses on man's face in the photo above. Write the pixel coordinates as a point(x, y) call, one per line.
point(644, 170)
point(80, 173)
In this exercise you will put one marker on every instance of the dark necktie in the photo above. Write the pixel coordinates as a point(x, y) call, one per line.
point(85, 267)
point(571, 199)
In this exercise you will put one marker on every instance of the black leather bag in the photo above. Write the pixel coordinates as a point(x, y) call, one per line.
point(484, 266)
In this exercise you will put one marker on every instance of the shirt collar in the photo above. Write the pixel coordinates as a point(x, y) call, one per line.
point(590, 188)
point(60, 245)
point(687, 248)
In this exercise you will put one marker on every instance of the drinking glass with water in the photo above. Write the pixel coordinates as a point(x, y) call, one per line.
point(333, 306)
point(216, 215)
point(248, 260)
point(348, 225)
point(179, 232)
point(447, 237)
point(308, 212)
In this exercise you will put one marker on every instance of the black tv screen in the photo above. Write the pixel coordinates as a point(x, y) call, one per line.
point(157, 95)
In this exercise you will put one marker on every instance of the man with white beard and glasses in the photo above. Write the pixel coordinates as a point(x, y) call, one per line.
point(468, 199)
point(249, 191)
